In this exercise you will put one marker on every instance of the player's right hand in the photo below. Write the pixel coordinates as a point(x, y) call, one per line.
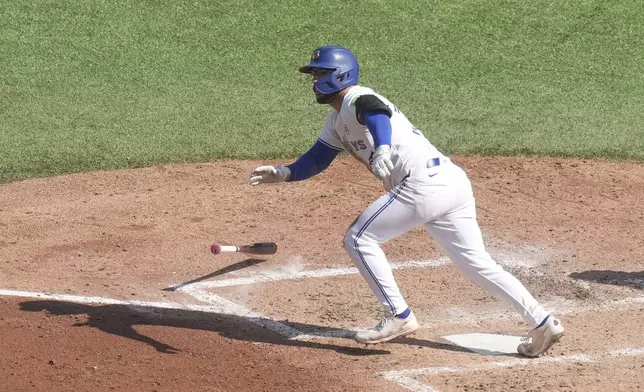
point(269, 174)
point(381, 164)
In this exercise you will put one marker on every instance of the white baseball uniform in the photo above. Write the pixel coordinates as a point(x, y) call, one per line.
point(424, 188)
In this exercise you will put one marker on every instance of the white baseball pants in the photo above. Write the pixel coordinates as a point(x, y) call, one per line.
point(441, 199)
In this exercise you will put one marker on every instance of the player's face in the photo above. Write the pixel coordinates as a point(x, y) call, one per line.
point(319, 73)
point(316, 75)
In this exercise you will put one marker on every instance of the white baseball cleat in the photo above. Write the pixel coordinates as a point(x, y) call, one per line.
point(540, 339)
point(389, 327)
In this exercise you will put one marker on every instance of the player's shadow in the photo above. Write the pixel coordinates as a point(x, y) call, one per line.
point(617, 278)
point(121, 320)
point(233, 267)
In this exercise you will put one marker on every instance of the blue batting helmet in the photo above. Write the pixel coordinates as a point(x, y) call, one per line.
point(341, 61)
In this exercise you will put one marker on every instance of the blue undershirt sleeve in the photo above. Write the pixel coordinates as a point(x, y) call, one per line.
point(313, 162)
point(379, 126)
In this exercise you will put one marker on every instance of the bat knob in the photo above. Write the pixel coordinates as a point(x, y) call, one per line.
point(215, 249)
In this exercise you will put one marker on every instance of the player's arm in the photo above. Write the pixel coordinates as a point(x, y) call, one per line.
point(312, 162)
point(376, 115)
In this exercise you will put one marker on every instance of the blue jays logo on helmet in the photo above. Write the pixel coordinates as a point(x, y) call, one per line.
point(340, 61)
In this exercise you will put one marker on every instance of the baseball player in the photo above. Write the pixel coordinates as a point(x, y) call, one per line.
point(423, 187)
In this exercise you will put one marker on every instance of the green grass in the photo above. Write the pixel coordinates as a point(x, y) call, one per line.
point(89, 85)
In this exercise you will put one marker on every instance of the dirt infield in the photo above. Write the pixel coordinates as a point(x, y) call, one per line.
point(107, 282)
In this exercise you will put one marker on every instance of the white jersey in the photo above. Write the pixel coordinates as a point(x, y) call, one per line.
point(410, 148)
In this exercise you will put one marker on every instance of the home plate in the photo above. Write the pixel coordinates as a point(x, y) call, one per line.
point(486, 343)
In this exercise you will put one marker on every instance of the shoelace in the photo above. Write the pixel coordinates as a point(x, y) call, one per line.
point(381, 324)
point(527, 339)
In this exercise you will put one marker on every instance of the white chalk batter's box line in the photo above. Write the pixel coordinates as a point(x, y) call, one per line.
point(267, 276)
point(408, 378)
point(279, 275)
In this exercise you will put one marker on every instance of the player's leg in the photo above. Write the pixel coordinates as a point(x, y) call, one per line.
point(388, 217)
point(458, 234)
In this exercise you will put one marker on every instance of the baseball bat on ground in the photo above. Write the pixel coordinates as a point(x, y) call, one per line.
point(257, 248)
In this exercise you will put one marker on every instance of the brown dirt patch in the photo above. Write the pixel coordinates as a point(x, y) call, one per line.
point(571, 230)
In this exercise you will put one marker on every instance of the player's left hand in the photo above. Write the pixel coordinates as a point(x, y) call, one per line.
point(381, 164)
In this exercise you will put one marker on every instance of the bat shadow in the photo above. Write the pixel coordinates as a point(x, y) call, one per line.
point(121, 320)
point(410, 340)
point(616, 278)
point(233, 267)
